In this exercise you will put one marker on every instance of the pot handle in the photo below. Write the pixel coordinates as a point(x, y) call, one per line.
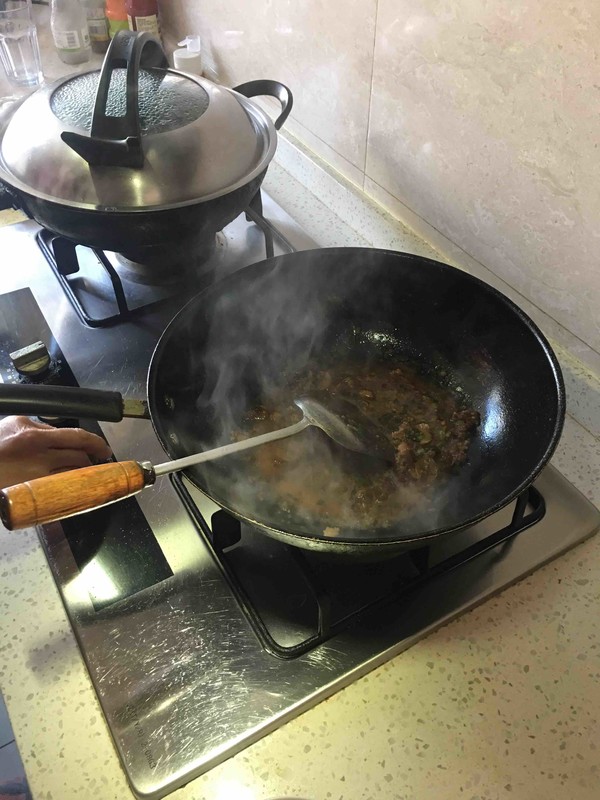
point(117, 141)
point(272, 89)
point(67, 401)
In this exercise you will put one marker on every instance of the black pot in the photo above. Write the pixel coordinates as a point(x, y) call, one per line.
point(148, 237)
point(137, 158)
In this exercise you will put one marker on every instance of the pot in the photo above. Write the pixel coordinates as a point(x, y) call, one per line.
point(138, 158)
point(239, 335)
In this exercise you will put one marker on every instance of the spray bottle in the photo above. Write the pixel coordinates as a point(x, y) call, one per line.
point(189, 57)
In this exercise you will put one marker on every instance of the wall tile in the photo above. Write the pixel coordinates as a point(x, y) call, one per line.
point(450, 252)
point(480, 119)
point(485, 122)
point(322, 51)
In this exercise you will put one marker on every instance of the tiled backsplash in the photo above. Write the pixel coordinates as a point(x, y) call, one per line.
point(481, 119)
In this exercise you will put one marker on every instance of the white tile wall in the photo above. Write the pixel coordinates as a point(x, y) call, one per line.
point(480, 119)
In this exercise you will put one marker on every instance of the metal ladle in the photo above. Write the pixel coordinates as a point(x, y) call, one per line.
point(63, 495)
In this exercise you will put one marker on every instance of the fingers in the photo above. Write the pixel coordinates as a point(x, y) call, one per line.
point(20, 436)
point(15, 424)
point(17, 471)
point(77, 439)
point(59, 460)
point(48, 462)
point(27, 422)
point(30, 449)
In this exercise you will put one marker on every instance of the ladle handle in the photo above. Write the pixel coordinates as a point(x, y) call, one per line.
point(229, 449)
point(67, 493)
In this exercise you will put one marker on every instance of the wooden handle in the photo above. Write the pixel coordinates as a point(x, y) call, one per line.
point(68, 493)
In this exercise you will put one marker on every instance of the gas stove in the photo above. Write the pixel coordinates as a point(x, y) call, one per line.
point(200, 634)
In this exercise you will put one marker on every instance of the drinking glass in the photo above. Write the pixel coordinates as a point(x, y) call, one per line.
point(19, 48)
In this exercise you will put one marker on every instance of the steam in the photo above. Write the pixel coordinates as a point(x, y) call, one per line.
point(267, 324)
point(277, 322)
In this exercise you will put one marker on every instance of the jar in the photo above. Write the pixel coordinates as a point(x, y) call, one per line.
point(116, 16)
point(69, 27)
point(142, 15)
point(97, 24)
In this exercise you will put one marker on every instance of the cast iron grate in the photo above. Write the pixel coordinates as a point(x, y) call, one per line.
point(296, 599)
point(66, 263)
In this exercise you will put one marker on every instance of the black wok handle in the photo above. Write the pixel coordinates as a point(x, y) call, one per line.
point(271, 89)
point(117, 141)
point(66, 401)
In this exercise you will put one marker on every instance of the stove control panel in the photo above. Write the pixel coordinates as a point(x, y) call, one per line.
point(114, 548)
point(29, 353)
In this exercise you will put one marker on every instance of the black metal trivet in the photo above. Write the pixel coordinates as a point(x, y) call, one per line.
point(296, 599)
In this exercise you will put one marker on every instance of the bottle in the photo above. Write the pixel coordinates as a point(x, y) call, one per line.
point(97, 25)
point(70, 31)
point(142, 15)
point(116, 16)
point(189, 58)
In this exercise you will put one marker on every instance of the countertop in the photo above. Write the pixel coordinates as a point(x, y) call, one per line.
point(504, 702)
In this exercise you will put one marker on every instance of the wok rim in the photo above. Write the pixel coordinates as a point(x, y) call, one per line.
point(340, 542)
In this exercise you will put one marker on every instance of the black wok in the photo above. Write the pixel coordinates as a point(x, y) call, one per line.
point(219, 353)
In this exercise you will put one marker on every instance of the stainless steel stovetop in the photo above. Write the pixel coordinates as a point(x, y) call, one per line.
point(184, 675)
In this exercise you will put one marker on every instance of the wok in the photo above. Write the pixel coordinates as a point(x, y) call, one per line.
point(234, 340)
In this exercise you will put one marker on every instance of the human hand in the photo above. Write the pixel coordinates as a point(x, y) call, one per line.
point(31, 449)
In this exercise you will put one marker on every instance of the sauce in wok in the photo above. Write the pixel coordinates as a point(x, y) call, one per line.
point(430, 425)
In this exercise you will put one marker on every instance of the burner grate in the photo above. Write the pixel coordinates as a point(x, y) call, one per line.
point(66, 263)
point(296, 599)
point(85, 272)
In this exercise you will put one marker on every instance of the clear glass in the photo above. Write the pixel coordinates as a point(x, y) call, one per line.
point(19, 48)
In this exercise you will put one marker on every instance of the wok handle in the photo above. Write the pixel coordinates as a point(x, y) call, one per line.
point(12, 198)
point(66, 401)
point(271, 89)
point(67, 493)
